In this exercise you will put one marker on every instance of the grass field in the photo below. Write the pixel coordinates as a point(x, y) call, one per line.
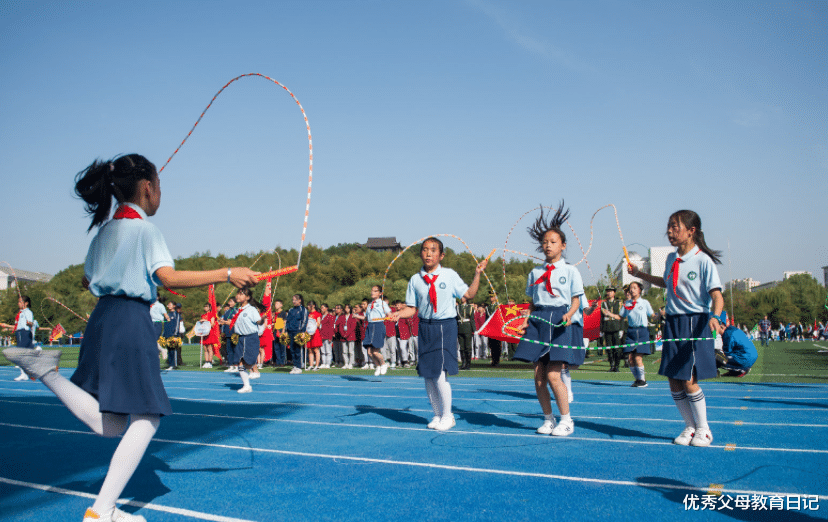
point(794, 362)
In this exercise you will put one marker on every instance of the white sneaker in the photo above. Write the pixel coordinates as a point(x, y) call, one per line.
point(32, 363)
point(246, 389)
point(702, 438)
point(564, 428)
point(393, 366)
point(117, 516)
point(295, 371)
point(446, 423)
point(232, 369)
point(383, 369)
point(546, 427)
point(685, 436)
point(378, 371)
point(255, 375)
point(434, 422)
point(370, 366)
point(207, 365)
point(22, 377)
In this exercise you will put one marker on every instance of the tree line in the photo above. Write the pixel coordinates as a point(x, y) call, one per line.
point(345, 273)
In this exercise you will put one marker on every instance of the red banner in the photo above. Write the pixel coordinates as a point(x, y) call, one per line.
point(57, 333)
point(493, 327)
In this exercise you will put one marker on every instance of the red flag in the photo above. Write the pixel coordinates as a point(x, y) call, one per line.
point(493, 327)
point(211, 296)
point(57, 333)
point(592, 321)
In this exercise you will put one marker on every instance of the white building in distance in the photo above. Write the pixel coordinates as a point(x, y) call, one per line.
point(746, 285)
point(7, 277)
point(654, 264)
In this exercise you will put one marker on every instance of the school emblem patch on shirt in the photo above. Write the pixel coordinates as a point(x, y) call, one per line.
point(442, 286)
point(562, 280)
point(691, 276)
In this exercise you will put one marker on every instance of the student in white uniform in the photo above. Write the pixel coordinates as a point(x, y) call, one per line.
point(116, 389)
point(246, 324)
point(24, 328)
point(430, 295)
point(553, 333)
point(637, 311)
point(375, 313)
point(693, 289)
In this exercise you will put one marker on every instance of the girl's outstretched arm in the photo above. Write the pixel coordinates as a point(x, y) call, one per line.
point(240, 277)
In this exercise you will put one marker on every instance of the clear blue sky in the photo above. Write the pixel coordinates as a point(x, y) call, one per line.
point(428, 117)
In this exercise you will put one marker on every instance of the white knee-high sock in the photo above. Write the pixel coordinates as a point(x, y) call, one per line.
point(698, 405)
point(567, 380)
point(642, 373)
point(434, 397)
point(84, 406)
point(683, 405)
point(129, 453)
point(244, 376)
point(444, 389)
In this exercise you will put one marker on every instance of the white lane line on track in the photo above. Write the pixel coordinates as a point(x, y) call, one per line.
point(446, 467)
point(397, 427)
point(134, 503)
point(427, 412)
point(456, 399)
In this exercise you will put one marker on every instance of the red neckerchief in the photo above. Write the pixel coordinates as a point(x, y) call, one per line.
point(675, 272)
point(17, 318)
point(127, 212)
point(432, 292)
point(235, 317)
point(631, 306)
point(546, 278)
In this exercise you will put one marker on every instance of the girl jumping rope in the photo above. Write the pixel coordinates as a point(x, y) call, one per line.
point(637, 310)
point(431, 295)
point(116, 388)
point(554, 326)
point(692, 283)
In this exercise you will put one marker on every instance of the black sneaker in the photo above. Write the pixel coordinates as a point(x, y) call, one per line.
point(639, 384)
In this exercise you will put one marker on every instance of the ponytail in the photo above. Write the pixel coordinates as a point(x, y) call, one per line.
point(692, 220)
point(98, 183)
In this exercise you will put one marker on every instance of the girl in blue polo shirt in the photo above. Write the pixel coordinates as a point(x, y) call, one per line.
point(246, 324)
point(637, 310)
point(24, 328)
point(693, 290)
point(375, 333)
point(117, 387)
point(431, 295)
point(554, 327)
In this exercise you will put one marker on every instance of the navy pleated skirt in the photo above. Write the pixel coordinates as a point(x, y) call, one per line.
point(437, 348)
point(638, 334)
point(248, 348)
point(375, 335)
point(679, 358)
point(118, 362)
point(24, 338)
point(540, 329)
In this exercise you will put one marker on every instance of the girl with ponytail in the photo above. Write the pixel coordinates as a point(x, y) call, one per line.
point(694, 302)
point(116, 389)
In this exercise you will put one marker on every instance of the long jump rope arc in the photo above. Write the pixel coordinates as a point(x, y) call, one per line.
point(310, 152)
point(385, 275)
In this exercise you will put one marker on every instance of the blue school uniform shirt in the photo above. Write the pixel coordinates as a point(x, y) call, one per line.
point(123, 257)
point(637, 317)
point(228, 315)
point(697, 277)
point(449, 287)
point(157, 312)
point(566, 283)
point(377, 309)
point(248, 321)
point(26, 316)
